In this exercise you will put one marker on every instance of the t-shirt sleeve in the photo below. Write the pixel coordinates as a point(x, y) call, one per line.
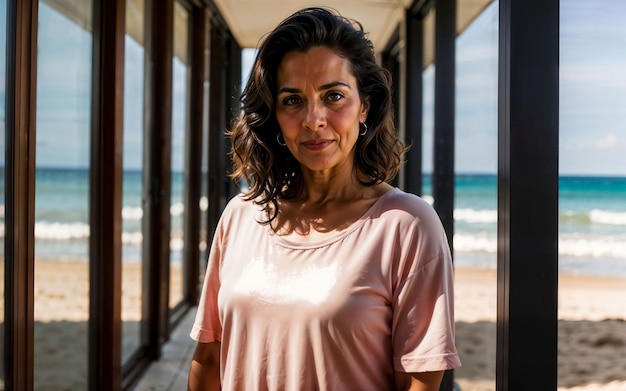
point(207, 326)
point(423, 304)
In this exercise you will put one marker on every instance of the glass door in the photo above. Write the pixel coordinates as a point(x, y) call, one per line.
point(63, 117)
point(132, 204)
point(180, 126)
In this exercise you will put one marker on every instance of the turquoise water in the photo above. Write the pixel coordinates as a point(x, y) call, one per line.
point(592, 219)
point(592, 223)
point(62, 214)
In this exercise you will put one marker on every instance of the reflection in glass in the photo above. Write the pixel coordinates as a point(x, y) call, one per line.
point(132, 211)
point(428, 109)
point(180, 94)
point(205, 240)
point(62, 197)
point(3, 59)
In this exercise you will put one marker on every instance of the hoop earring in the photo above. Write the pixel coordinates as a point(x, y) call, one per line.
point(280, 140)
point(364, 131)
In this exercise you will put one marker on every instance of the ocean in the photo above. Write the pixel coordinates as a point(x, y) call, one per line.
point(592, 220)
point(62, 215)
point(592, 223)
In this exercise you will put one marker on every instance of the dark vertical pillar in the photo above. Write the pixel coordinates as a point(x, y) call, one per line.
point(21, 90)
point(199, 36)
point(414, 102)
point(159, 47)
point(391, 62)
point(528, 130)
point(443, 165)
point(105, 256)
point(216, 128)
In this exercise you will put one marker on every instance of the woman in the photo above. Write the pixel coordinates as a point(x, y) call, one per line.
point(322, 276)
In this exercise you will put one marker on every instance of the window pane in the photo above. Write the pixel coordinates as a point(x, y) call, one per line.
point(3, 60)
point(592, 195)
point(205, 241)
point(62, 196)
point(180, 94)
point(428, 105)
point(476, 200)
point(132, 210)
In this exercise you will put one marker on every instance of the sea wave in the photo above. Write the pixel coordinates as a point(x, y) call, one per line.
point(592, 247)
point(61, 231)
point(475, 243)
point(136, 213)
point(476, 216)
point(132, 213)
point(598, 216)
point(595, 216)
point(177, 209)
point(569, 245)
point(78, 231)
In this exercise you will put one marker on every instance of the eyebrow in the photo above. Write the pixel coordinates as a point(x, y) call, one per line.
point(321, 88)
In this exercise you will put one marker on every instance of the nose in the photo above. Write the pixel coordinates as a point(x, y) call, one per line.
point(315, 118)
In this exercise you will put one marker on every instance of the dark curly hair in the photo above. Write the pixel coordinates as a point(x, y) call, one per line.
point(270, 170)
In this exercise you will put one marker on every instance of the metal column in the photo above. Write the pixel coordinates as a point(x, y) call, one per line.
point(528, 138)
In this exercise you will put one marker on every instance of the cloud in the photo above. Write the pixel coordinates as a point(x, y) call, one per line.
point(482, 53)
point(608, 74)
point(608, 142)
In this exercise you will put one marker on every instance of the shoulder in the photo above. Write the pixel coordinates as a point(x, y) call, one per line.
point(238, 209)
point(409, 216)
point(402, 205)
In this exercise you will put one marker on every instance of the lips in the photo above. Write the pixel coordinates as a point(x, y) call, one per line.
point(316, 145)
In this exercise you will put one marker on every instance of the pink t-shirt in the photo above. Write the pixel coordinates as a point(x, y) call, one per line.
point(339, 314)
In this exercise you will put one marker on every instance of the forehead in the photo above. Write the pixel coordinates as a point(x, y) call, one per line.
point(318, 65)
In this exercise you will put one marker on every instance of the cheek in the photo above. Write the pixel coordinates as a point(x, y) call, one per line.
point(287, 123)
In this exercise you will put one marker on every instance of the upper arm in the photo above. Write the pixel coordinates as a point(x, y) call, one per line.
point(421, 381)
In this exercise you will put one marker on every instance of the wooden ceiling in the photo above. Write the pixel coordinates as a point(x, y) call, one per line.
point(249, 20)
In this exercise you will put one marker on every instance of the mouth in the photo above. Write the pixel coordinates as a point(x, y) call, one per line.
point(316, 145)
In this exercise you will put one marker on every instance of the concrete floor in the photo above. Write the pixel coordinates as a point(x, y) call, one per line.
point(171, 371)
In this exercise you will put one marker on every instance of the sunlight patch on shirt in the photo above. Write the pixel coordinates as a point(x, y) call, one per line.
point(274, 281)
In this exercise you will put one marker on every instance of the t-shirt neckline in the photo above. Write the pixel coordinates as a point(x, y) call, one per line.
point(332, 238)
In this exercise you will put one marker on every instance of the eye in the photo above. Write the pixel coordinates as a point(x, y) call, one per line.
point(334, 96)
point(291, 100)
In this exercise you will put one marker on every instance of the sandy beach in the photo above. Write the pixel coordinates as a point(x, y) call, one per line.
point(591, 340)
point(592, 328)
point(61, 315)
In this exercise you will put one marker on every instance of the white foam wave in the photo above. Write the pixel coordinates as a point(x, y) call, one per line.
point(598, 216)
point(1, 211)
point(132, 213)
point(595, 216)
point(135, 238)
point(177, 209)
point(203, 203)
point(177, 244)
point(598, 247)
point(61, 231)
point(594, 248)
point(476, 216)
point(471, 243)
point(73, 231)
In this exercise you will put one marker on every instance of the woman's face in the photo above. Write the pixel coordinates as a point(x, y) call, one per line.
point(319, 109)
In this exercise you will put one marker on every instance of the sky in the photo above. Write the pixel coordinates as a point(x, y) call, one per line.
point(592, 91)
